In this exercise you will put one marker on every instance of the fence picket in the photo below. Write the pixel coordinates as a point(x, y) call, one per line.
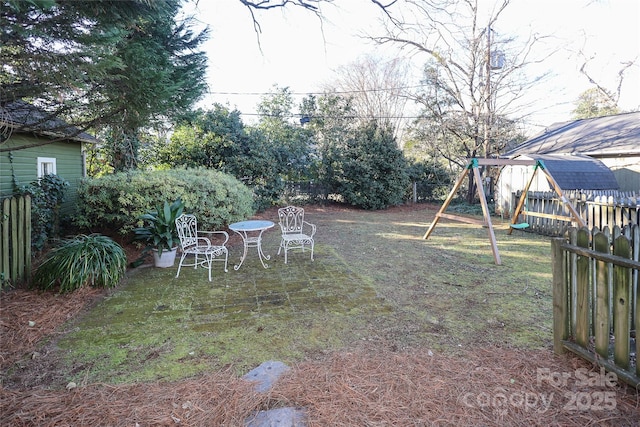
point(595, 297)
point(601, 315)
point(15, 244)
point(622, 299)
point(582, 289)
point(598, 208)
point(4, 243)
point(14, 271)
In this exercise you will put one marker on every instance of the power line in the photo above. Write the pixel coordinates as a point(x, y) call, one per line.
point(318, 93)
point(297, 116)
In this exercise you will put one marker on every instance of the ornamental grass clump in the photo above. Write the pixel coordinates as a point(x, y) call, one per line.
point(84, 260)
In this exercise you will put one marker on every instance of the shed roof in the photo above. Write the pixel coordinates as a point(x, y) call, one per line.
point(609, 136)
point(22, 116)
point(577, 172)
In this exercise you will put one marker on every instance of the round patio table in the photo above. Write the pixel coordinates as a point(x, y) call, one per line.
point(251, 233)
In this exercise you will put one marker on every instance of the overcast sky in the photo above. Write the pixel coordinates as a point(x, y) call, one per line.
point(298, 51)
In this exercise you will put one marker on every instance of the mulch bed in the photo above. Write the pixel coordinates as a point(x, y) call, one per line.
point(366, 387)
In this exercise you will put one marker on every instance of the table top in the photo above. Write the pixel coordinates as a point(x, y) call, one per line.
point(252, 225)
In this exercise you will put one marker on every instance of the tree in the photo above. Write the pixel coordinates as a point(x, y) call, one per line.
point(595, 102)
point(162, 77)
point(214, 139)
point(373, 173)
point(600, 101)
point(330, 118)
point(472, 78)
point(110, 65)
point(217, 139)
point(290, 142)
point(311, 5)
point(114, 65)
point(376, 87)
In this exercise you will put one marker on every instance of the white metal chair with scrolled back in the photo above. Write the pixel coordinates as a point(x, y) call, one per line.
point(296, 232)
point(205, 250)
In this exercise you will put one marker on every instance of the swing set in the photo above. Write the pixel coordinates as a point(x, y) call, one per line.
point(474, 164)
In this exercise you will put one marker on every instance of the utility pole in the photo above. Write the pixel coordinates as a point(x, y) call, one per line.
point(488, 112)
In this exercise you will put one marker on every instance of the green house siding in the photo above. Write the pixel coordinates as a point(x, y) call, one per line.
point(22, 165)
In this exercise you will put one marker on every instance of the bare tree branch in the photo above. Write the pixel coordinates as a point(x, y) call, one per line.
point(613, 97)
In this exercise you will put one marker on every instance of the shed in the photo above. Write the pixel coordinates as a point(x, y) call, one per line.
point(570, 171)
point(614, 140)
point(34, 143)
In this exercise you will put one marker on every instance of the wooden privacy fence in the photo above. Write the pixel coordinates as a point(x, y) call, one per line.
point(595, 298)
point(15, 241)
point(546, 213)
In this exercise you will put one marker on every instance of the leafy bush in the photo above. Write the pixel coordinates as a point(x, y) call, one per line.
point(433, 180)
point(218, 139)
point(47, 195)
point(160, 230)
point(92, 260)
point(119, 200)
point(373, 171)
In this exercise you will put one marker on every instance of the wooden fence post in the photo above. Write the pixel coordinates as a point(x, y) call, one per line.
point(602, 326)
point(582, 291)
point(622, 303)
point(560, 297)
point(5, 269)
point(15, 242)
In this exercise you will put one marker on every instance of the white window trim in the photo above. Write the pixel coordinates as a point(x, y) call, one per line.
point(45, 160)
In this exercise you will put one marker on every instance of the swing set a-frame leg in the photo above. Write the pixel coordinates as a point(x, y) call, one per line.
point(485, 208)
point(523, 198)
point(487, 216)
point(556, 188)
point(446, 203)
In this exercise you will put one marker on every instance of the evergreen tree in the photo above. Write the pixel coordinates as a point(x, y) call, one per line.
point(373, 171)
point(119, 65)
point(595, 102)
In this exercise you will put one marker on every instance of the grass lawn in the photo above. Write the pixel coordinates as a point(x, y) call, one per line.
point(375, 282)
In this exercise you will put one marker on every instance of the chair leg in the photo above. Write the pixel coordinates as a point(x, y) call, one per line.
point(312, 250)
point(180, 264)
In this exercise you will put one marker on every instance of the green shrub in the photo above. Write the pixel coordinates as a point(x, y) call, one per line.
point(160, 231)
point(92, 260)
point(118, 201)
point(372, 170)
point(432, 179)
point(47, 195)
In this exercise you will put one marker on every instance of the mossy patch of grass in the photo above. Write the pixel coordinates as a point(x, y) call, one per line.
point(375, 282)
point(157, 326)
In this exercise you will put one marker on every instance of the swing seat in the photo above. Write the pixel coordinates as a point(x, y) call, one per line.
point(520, 226)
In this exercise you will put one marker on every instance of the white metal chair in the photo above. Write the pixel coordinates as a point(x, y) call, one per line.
point(194, 242)
point(296, 232)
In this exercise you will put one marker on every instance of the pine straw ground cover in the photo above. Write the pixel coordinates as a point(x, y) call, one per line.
point(378, 382)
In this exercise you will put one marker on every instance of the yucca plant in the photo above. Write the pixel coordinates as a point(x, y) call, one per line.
point(160, 232)
point(84, 260)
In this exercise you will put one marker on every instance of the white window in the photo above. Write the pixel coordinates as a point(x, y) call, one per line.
point(46, 166)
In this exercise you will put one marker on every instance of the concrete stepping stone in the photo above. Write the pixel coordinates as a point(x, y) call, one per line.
point(280, 417)
point(265, 377)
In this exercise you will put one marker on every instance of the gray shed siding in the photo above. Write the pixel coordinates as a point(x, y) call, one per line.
point(626, 170)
